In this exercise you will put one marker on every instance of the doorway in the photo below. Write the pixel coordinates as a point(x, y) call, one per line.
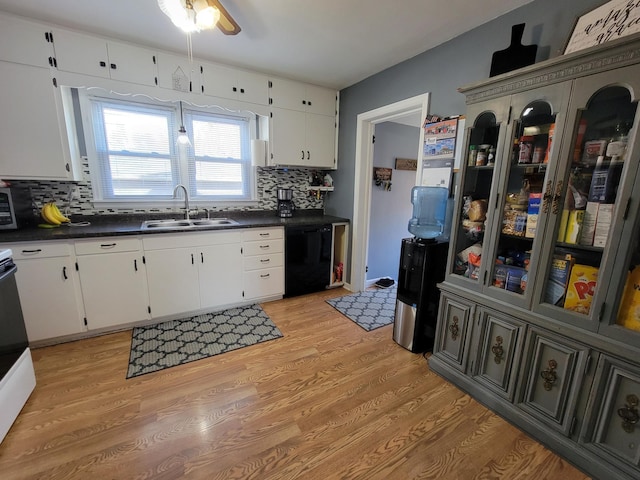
point(365, 130)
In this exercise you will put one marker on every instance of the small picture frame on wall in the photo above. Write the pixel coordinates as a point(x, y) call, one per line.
point(614, 19)
point(406, 164)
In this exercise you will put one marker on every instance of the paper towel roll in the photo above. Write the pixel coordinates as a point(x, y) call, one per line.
point(258, 153)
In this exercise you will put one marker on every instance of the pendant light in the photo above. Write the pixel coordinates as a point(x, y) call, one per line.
point(183, 138)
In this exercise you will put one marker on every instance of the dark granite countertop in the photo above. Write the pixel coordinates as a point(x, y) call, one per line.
point(112, 225)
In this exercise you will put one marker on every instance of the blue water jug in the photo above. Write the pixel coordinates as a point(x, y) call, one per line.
point(429, 211)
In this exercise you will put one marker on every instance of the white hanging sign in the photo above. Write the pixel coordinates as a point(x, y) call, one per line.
point(615, 19)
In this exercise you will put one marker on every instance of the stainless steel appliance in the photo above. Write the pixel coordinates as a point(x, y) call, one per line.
point(307, 259)
point(285, 202)
point(17, 378)
point(422, 266)
point(15, 208)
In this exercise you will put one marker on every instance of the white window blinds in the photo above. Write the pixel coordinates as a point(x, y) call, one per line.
point(137, 159)
point(135, 149)
point(220, 159)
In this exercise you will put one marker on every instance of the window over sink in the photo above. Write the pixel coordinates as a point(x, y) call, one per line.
point(134, 156)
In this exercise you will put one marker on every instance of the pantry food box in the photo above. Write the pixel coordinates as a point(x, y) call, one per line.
point(581, 287)
point(556, 286)
point(629, 313)
point(533, 210)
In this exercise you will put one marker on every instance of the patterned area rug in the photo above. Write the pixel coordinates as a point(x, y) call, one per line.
point(370, 309)
point(172, 343)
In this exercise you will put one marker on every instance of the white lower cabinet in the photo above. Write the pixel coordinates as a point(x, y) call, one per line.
point(219, 274)
point(191, 271)
point(172, 277)
point(69, 287)
point(113, 281)
point(49, 289)
point(263, 256)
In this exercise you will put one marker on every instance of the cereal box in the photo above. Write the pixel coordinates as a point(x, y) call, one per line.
point(581, 287)
point(629, 313)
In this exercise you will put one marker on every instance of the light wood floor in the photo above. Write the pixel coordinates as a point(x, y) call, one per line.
point(327, 401)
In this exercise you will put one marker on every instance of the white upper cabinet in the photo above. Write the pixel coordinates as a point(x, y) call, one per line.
point(302, 97)
point(32, 139)
point(24, 42)
point(79, 53)
point(227, 82)
point(177, 72)
point(302, 124)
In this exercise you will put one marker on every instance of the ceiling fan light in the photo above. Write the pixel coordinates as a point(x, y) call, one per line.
point(207, 17)
point(181, 16)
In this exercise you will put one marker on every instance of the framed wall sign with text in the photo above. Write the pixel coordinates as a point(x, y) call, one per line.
point(614, 19)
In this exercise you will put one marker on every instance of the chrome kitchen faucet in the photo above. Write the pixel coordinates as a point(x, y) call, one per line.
point(186, 198)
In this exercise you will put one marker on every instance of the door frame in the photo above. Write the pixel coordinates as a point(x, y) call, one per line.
point(365, 130)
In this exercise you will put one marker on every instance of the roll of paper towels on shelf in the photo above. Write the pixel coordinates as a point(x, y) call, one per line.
point(258, 153)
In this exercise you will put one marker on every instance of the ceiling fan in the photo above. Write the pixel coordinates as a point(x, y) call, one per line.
point(196, 15)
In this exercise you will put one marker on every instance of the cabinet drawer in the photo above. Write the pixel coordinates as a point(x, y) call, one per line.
point(107, 245)
point(451, 342)
point(163, 241)
point(552, 377)
point(262, 234)
point(612, 429)
point(499, 351)
point(264, 283)
point(263, 247)
point(258, 262)
point(25, 251)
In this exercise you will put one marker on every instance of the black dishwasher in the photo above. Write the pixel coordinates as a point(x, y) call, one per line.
point(307, 259)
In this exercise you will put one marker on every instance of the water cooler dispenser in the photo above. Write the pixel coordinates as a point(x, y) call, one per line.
point(423, 261)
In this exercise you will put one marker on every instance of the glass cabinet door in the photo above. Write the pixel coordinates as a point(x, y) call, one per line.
point(588, 200)
point(529, 160)
point(484, 137)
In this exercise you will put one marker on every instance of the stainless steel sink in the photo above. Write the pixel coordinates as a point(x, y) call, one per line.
point(190, 224)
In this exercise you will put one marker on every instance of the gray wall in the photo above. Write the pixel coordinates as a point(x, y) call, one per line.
point(463, 60)
point(391, 210)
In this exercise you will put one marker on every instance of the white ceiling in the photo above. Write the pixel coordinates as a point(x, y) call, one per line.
point(334, 43)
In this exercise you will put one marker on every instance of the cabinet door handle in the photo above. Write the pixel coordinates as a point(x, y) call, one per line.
point(546, 198)
point(265, 234)
point(264, 246)
point(135, 264)
point(629, 413)
point(27, 252)
point(242, 90)
point(266, 275)
point(265, 260)
point(113, 66)
point(201, 257)
point(64, 273)
point(302, 152)
point(454, 328)
point(192, 261)
point(107, 245)
point(103, 64)
point(308, 155)
point(497, 350)
point(555, 204)
point(549, 375)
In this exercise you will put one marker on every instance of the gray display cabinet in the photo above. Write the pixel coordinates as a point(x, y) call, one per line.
point(540, 309)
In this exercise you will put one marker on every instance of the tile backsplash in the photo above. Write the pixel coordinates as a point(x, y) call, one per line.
point(269, 180)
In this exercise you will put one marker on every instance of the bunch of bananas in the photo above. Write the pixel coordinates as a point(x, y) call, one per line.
point(52, 215)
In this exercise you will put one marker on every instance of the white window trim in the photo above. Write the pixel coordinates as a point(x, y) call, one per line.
point(98, 199)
